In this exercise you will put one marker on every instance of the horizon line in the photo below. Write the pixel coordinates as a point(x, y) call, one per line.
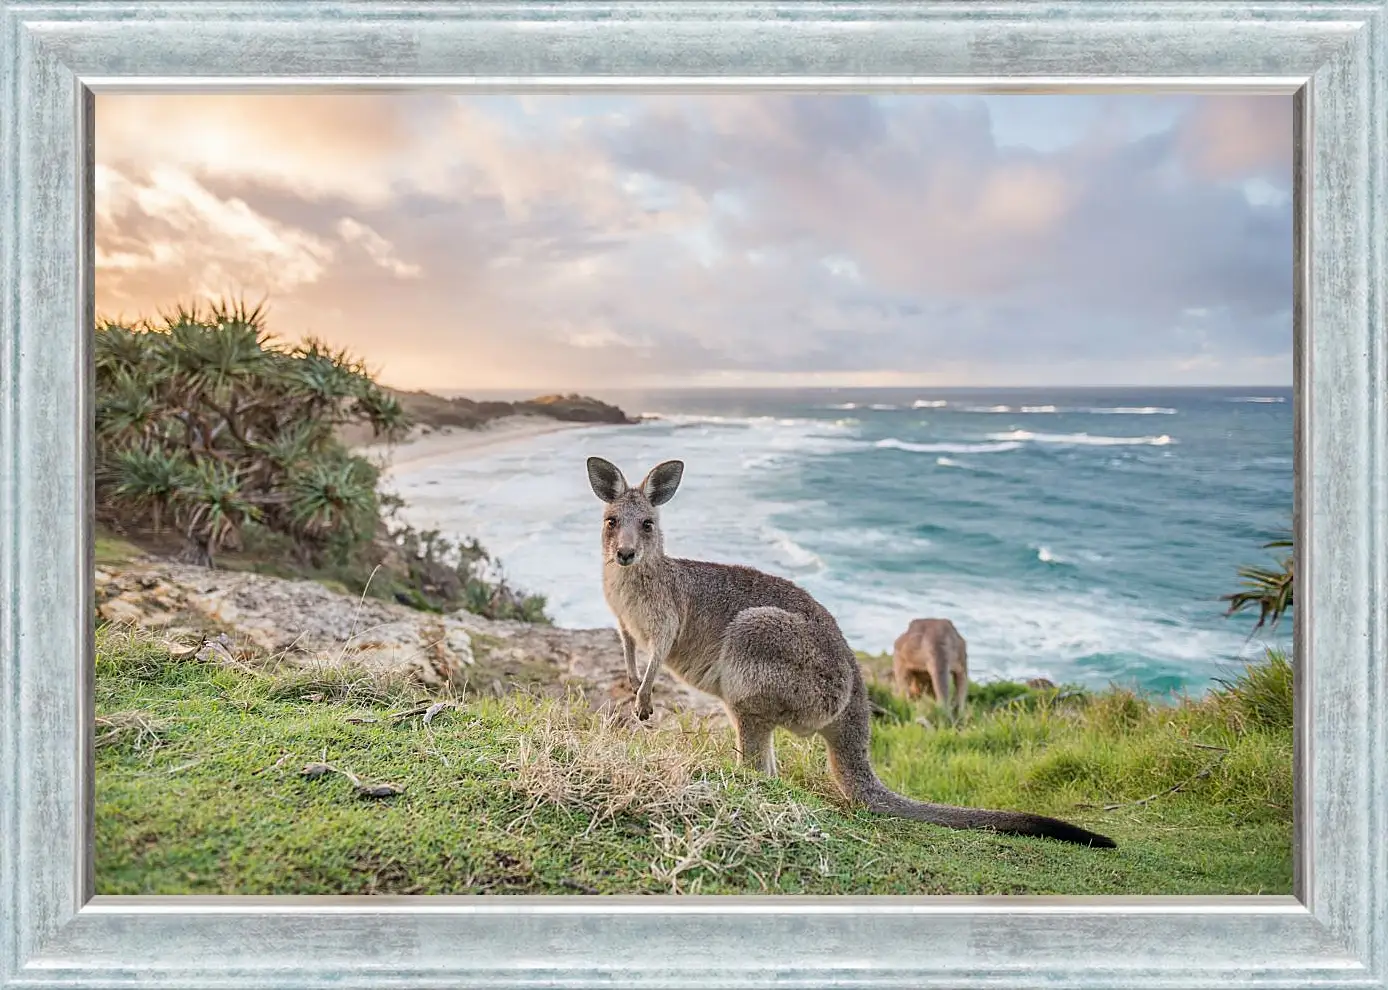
point(540, 390)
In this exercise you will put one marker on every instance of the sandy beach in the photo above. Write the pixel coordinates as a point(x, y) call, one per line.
point(455, 443)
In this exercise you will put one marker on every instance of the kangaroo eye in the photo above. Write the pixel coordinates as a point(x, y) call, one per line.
point(611, 522)
point(648, 525)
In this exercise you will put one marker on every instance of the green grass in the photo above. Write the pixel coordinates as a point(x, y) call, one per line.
point(112, 550)
point(200, 790)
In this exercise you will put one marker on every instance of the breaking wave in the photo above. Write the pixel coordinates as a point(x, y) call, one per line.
point(1128, 411)
point(892, 443)
point(1080, 439)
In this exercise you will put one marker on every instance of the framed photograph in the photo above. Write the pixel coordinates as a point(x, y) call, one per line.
point(687, 494)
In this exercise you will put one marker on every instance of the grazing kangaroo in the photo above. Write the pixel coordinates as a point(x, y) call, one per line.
point(771, 653)
point(932, 655)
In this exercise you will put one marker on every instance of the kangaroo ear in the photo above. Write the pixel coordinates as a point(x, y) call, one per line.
point(608, 483)
point(663, 481)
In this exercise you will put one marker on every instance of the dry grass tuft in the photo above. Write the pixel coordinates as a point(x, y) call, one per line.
point(702, 817)
point(289, 677)
point(134, 729)
point(328, 682)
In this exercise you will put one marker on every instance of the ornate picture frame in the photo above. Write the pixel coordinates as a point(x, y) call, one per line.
point(1332, 56)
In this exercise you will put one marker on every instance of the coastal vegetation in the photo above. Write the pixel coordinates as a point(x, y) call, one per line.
point(218, 443)
point(202, 424)
point(1267, 589)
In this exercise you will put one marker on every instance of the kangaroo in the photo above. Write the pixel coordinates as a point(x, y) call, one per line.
point(932, 655)
point(763, 646)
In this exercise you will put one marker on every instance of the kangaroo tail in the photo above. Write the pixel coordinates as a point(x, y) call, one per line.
point(852, 771)
point(877, 797)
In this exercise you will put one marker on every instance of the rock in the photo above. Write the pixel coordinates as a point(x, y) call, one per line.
point(1040, 684)
point(459, 642)
point(574, 408)
point(302, 622)
point(180, 650)
point(119, 611)
point(157, 618)
point(436, 413)
point(216, 651)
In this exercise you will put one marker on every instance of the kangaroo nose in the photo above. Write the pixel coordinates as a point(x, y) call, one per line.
point(625, 557)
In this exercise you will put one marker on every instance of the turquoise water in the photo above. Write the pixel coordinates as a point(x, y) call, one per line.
point(1084, 536)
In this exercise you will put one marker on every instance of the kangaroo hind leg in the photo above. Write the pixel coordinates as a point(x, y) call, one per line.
point(960, 696)
point(756, 745)
point(775, 671)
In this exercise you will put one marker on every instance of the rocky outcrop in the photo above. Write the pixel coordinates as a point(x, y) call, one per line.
point(428, 410)
point(573, 409)
point(272, 620)
point(431, 413)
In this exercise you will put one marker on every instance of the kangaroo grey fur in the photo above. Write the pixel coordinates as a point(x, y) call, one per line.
point(932, 655)
point(772, 654)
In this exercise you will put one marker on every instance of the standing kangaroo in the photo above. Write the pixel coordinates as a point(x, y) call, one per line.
point(771, 653)
point(931, 653)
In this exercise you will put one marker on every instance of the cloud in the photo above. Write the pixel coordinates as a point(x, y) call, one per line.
point(1240, 138)
point(582, 241)
point(377, 248)
point(170, 223)
point(349, 147)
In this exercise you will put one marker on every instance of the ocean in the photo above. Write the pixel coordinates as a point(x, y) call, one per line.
point(1081, 535)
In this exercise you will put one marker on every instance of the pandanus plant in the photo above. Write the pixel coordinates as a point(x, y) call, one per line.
point(1268, 589)
point(205, 422)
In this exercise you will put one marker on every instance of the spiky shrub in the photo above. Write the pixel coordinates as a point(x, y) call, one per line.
point(1268, 589)
point(205, 423)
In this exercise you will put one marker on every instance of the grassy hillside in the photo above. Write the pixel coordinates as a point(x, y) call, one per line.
point(201, 789)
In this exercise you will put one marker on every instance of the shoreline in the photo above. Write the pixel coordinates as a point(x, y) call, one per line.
point(457, 443)
point(1061, 619)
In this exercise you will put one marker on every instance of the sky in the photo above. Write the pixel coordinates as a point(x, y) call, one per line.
point(563, 242)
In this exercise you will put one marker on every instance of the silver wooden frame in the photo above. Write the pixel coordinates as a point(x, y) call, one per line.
point(53, 55)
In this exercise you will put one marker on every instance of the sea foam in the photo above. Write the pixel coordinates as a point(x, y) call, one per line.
point(1127, 411)
point(892, 443)
point(1016, 631)
point(1081, 439)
